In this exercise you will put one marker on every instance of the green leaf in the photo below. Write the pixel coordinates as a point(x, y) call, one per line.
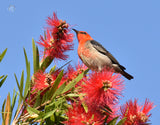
point(38, 100)
point(46, 62)
point(60, 89)
point(2, 81)
point(3, 54)
point(113, 121)
point(21, 94)
point(32, 110)
point(83, 103)
point(52, 69)
point(27, 84)
point(7, 110)
point(105, 120)
point(26, 59)
point(74, 82)
point(107, 109)
point(50, 120)
point(45, 97)
point(48, 114)
point(14, 98)
point(3, 116)
point(59, 102)
point(1, 76)
point(35, 57)
point(21, 88)
point(22, 81)
point(56, 83)
point(121, 122)
point(72, 95)
point(85, 107)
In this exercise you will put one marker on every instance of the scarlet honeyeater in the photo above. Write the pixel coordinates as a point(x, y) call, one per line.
point(95, 56)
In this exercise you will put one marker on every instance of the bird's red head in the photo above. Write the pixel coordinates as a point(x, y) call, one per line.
point(82, 36)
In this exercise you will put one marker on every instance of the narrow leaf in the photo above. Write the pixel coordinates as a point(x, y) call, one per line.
point(2, 81)
point(14, 98)
point(74, 82)
point(38, 101)
point(48, 114)
point(32, 110)
point(106, 109)
point(1, 76)
point(7, 110)
point(35, 57)
point(51, 120)
point(56, 83)
point(27, 84)
point(83, 103)
point(45, 97)
point(113, 121)
point(3, 115)
point(121, 122)
point(45, 63)
point(52, 70)
point(60, 89)
point(3, 54)
point(72, 95)
point(21, 94)
point(26, 59)
point(85, 107)
point(22, 81)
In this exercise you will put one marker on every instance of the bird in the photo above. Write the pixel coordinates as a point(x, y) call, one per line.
point(96, 57)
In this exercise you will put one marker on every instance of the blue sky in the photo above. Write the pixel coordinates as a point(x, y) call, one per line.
point(130, 30)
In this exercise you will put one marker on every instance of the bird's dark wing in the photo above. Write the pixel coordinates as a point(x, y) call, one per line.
point(102, 50)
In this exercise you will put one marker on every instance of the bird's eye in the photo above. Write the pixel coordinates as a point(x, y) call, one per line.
point(83, 33)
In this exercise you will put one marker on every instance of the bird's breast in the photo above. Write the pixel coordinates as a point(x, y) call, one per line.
point(92, 58)
point(84, 51)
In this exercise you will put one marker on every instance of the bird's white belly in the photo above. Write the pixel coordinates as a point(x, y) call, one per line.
point(96, 61)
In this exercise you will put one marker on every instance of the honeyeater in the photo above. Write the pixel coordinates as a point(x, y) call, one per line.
point(96, 57)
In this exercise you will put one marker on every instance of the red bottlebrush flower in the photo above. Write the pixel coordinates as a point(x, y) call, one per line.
point(59, 29)
point(78, 116)
point(58, 40)
point(103, 89)
point(42, 81)
point(136, 114)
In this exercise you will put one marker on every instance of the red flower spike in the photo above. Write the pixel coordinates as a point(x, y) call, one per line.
point(78, 116)
point(59, 29)
point(103, 89)
point(53, 21)
point(42, 81)
point(58, 40)
point(136, 114)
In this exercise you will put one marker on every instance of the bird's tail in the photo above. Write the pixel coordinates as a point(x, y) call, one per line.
point(128, 76)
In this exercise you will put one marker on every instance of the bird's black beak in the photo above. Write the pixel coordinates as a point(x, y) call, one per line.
point(75, 31)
